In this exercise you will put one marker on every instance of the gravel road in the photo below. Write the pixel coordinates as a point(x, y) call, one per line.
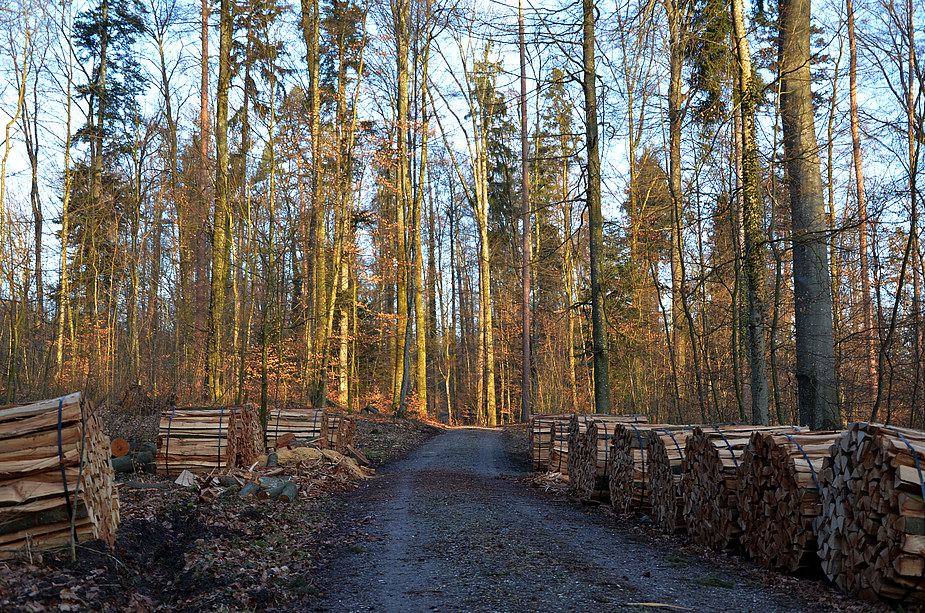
point(455, 527)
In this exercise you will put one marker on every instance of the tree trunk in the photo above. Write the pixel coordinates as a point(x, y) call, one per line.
point(753, 220)
point(526, 399)
point(599, 336)
point(675, 119)
point(815, 357)
point(221, 225)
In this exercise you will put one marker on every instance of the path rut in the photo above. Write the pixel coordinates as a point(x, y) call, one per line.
point(454, 527)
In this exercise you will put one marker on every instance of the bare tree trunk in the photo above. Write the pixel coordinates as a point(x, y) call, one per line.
point(599, 335)
point(526, 399)
point(812, 292)
point(400, 9)
point(867, 305)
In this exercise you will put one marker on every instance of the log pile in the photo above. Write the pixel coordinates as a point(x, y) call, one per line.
point(588, 450)
point(328, 430)
point(711, 459)
point(558, 456)
point(872, 529)
point(629, 466)
point(541, 434)
point(665, 464)
point(197, 439)
point(778, 497)
point(54, 468)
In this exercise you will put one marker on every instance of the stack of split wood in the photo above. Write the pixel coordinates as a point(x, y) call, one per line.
point(665, 472)
point(56, 483)
point(711, 458)
point(558, 455)
point(206, 439)
point(541, 432)
point(872, 529)
point(326, 429)
point(778, 497)
point(589, 441)
point(629, 466)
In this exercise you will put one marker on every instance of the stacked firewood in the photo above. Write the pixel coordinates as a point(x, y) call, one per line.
point(778, 497)
point(664, 466)
point(711, 459)
point(198, 439)
point(558, 456)
point(589, 439)
point(541, 430)
point(872, 528)
point(326, 429)
point(56, 483)
point(629, 466)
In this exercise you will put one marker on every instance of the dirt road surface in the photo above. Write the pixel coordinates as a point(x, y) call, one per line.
point(456, 527)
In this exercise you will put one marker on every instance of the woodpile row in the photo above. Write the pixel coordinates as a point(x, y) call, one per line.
point(56, 483)
point(541, 434)
point(665, 463)
point(206, 439)
point(854, 500)
point(778, 497)
point(872, 527)
point(589, 439)
point(712, 458)
point(629, 467)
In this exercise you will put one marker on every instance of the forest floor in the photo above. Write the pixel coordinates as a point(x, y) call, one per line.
point(175, 551)
point(452, 522)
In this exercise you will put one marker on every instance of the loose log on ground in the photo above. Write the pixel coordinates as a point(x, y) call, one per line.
point(665, 473)
point(872, 529)
point(56, 481)
point(778, 497)
point(711, 459)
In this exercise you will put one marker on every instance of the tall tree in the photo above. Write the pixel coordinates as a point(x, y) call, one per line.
point(599, 335)
point(221, 227)
point(812, 296)
point(753, 219)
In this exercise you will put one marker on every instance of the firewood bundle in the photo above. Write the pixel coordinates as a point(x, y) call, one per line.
point(245, 437)
point(541, 432)
point(664, 466)
point(872, 529)
point(711, 458)
point(578, 426)
point(327, 430)
point(56, 483)
point(588, 471)
point(197, 439)
point(629, 469)
point(558, 456)
point(778, 497)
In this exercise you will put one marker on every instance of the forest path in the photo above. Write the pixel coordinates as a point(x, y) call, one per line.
point(455, 527)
